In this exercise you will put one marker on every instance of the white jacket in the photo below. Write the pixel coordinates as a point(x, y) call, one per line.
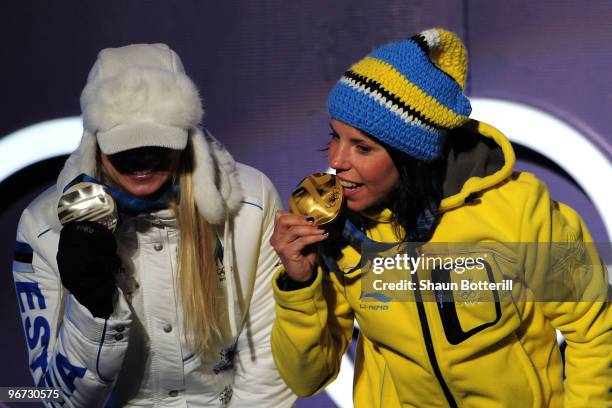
point(138, 357)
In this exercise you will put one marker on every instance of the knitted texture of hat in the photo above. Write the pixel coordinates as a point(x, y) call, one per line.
point(406, 94)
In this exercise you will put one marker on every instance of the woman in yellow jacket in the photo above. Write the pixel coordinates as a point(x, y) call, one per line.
point(415, 169)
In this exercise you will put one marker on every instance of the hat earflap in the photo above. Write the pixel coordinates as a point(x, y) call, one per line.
point(81, 161)
point(217, 192)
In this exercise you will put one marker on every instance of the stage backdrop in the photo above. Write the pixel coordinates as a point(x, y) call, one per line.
point(265, 67)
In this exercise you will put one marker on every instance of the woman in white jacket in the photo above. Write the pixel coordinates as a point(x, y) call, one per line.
point(174, 308)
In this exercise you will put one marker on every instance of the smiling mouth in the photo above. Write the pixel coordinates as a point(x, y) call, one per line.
point(349, 185)
point(142, 172)
point(142, 175)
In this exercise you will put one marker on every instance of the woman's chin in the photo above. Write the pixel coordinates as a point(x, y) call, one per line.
point(357, 206)
point(362, 204)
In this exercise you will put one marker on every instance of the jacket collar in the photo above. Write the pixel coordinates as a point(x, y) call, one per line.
point(165, 218)
point(479, 157)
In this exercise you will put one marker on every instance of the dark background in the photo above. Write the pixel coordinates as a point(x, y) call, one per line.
point(264, 69)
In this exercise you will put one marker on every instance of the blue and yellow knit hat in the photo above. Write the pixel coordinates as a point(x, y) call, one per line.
point(406, 94)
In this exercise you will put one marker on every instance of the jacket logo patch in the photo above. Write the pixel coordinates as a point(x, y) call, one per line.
point(227, 359)
point(365, 306)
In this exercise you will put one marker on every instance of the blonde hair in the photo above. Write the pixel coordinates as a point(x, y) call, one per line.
point(201, 294)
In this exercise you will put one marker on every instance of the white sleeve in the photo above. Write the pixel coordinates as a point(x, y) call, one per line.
point(72, 351)
point(257, 382)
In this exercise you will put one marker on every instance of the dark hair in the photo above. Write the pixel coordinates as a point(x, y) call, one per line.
point(419, 189)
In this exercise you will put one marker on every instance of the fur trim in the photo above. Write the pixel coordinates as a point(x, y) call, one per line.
point(82, 160)
point(215, 181)
point(141, 94)
point(216, 187)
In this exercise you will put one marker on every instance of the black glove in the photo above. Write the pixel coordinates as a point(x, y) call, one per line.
point(87, 258)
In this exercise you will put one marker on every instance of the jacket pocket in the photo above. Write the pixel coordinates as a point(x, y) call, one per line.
point(465, 311)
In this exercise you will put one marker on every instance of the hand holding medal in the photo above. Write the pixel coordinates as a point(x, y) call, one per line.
point(316, 202)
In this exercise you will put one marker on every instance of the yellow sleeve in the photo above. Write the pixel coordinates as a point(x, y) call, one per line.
point(586, 324)
point(312, 331)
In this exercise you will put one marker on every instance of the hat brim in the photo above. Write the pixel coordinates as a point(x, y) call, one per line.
point(135, 135)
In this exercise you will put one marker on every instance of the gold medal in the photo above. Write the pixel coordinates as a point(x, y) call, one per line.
point(318, 196)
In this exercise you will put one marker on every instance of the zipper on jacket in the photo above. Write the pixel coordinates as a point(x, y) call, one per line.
point(429, 344)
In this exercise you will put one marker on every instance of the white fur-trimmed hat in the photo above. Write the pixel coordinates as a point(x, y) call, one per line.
point(139, 95)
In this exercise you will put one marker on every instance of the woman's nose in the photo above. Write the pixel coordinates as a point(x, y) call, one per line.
point(337, 155)
point(338, 160)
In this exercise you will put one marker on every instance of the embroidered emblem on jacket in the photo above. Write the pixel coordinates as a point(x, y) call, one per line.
point(227, 359)
point(226, 395)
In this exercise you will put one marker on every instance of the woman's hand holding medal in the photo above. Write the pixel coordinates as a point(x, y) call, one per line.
point(317, 201)
point(293, 239)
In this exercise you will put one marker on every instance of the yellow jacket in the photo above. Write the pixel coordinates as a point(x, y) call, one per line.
point(407, 354)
